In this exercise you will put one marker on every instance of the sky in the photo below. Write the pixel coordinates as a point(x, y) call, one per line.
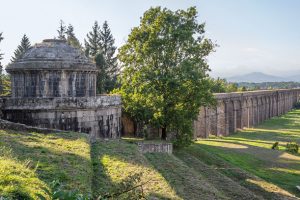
point(253, 35)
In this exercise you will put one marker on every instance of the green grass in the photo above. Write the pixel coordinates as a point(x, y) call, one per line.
point(250, 150)
point(36, 159)
point(240, 166)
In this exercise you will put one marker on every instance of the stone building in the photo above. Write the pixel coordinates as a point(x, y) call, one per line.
point(54, 86)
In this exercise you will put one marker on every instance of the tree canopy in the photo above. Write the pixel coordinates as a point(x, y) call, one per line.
point(99, 45)
point(61, 30)
point(71, 38)
point(164, 80)
point(22, 48)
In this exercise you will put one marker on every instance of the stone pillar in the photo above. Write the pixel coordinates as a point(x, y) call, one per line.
point(245, 113)
point(255, 111)
point(221, 120)
point(230, 122)
point(213, 121)
point(250, 112)
point(237, 115)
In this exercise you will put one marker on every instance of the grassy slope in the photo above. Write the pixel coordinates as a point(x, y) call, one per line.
point(250, 149)
point(38, 159)
point(216, 168)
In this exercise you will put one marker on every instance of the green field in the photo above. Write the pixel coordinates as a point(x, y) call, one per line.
point(241, 166)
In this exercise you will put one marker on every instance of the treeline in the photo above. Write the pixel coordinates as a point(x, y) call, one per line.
point(268, 85)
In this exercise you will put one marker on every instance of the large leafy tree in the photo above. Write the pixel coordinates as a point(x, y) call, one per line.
point(22, 48)
point(164, 80)
point(71, 38)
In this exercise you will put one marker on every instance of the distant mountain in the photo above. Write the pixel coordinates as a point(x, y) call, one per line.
point(258, 77)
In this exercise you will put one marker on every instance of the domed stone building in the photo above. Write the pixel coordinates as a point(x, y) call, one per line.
point(54, 86)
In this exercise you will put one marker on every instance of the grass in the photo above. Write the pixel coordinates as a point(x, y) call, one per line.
point(240, 166)
point(250, 150)
point(35, 160)
point(114, 161)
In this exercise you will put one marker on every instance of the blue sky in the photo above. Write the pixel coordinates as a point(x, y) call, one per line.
point(253, 35)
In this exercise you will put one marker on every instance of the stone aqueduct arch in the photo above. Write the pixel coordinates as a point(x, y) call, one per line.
point(246, 109)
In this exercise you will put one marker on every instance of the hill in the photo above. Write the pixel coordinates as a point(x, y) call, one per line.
point(241, 166)
point(256, 77)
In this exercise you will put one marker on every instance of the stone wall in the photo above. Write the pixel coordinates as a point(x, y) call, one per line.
point(246, 109)
point(155, 147)
point(100, 116)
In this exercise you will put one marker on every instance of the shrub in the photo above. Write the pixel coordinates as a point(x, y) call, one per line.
point(297, 105)
point(275, 146)
point(292, 147)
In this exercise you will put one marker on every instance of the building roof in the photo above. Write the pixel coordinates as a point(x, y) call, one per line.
point(52, 54)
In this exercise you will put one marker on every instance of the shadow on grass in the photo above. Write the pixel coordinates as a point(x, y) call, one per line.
point(52, 162)
point(114, 161)
point(229, 160)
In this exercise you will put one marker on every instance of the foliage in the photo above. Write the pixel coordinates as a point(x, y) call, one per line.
point(292, 147)
point(110, 68)
point(1, 54)
point(21, 49)
point(71, 38)
point(297, 105)
point(164, 79)
point(5, 85)
point(269, 85)
point(61, 30)
point(59, 193)
point(99, 46)
point(92, 43)
point(275, 146)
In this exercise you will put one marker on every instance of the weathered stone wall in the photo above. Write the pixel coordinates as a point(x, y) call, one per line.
point(53, 83)
point(100, 116)
point(238, 110)
point(155, 147)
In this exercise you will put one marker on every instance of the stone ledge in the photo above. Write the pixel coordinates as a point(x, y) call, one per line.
point(4, 124)
point(155, 147)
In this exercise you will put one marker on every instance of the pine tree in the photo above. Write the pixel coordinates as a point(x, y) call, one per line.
point(71, 38)
point(1, 67)
point(21, 49)
point(92, 43)
point(61, 30)
point(1, 54)
point(107, 44)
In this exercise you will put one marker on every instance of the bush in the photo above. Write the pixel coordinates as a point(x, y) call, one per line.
point(275, 146)
point(297, 105)
point(292, 147)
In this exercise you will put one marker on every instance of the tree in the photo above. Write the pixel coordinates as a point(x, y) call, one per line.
point(1, 67)
point(92, 44)
point(1, 54)
point(108, 49)
point(71, 38)
point(21, 49)
point(61, 30)
point(164, 80)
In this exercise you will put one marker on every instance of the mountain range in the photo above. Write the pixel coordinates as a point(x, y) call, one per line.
point(259, 77)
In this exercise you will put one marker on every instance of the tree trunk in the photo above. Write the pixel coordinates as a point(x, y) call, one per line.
point(164, 133)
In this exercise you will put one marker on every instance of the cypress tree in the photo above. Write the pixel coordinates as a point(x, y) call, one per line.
point(107, 44)
point(92, 43)
point(21, 49)
point(71, 38)
point(61, 30)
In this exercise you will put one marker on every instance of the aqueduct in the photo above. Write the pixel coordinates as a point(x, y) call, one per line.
point(245, 109)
